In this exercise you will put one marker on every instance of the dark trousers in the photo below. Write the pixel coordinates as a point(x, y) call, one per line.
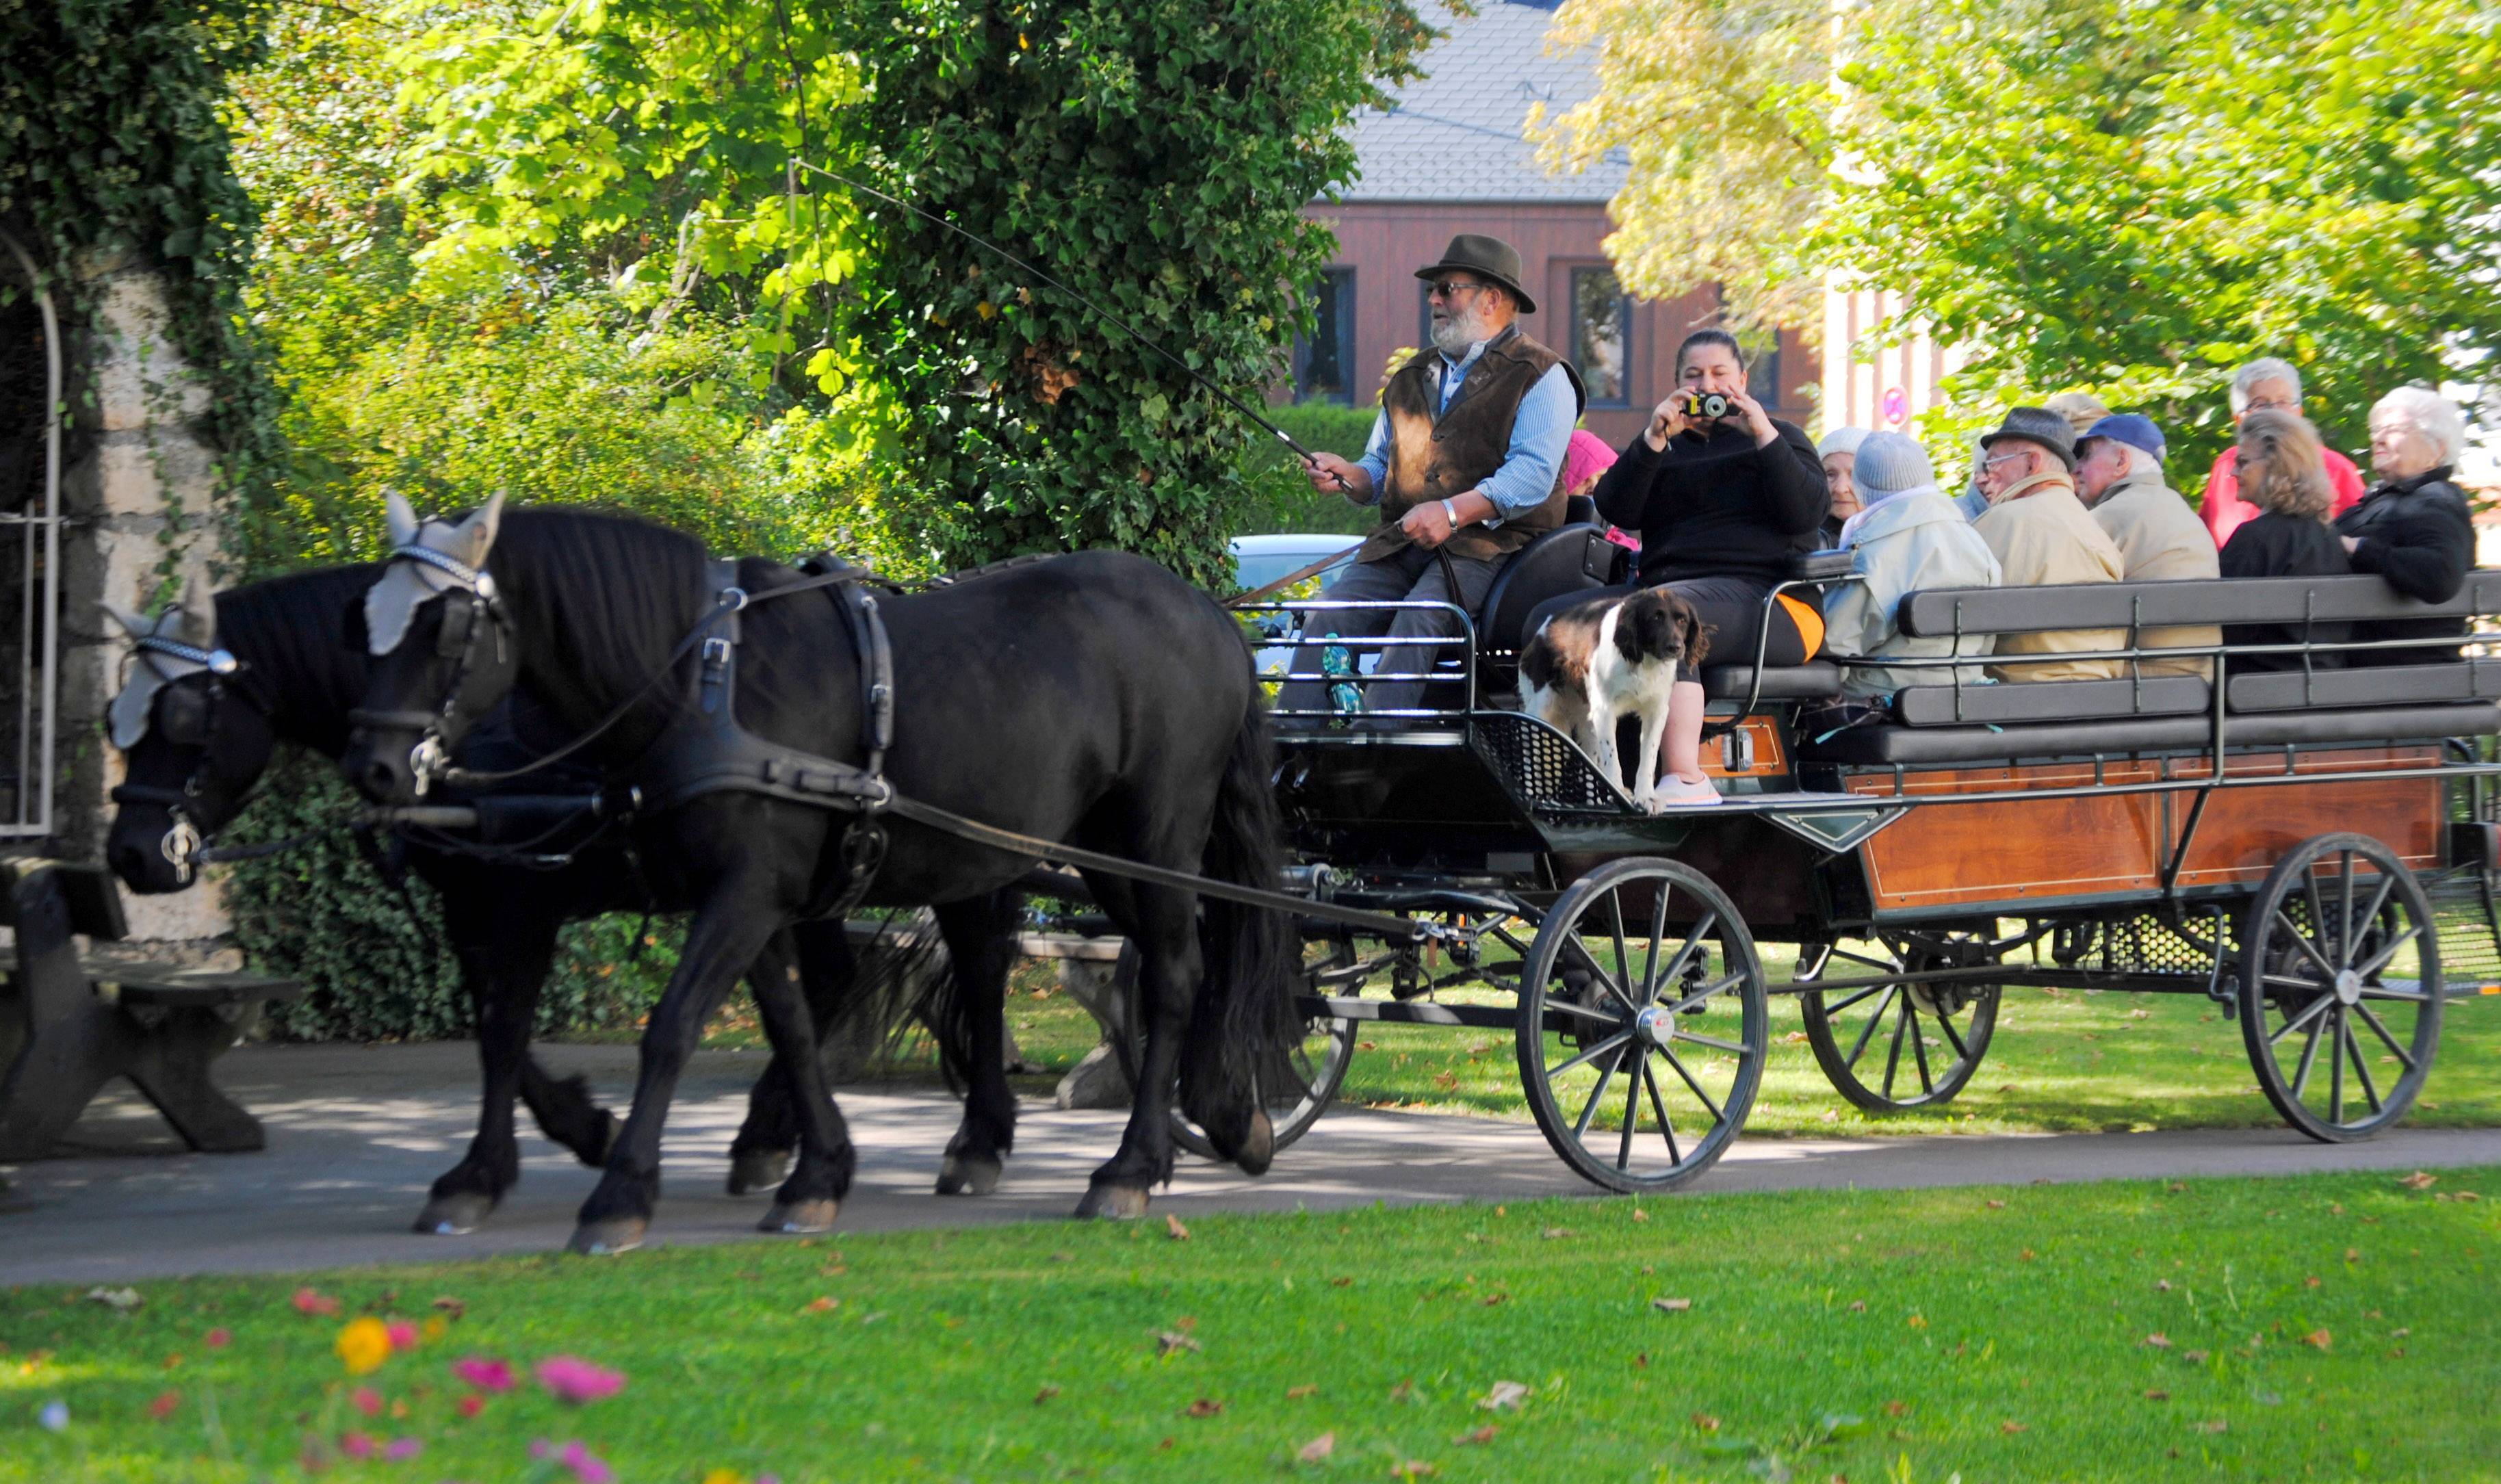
point(1411, 574)
point(1731, 610)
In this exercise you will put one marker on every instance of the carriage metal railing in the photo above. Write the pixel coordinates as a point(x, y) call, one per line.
point(1448, 665)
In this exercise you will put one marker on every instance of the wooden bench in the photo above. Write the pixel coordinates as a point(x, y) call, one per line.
point(70, 1024)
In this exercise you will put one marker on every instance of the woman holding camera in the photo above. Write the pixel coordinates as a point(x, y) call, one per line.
point(1724, 496)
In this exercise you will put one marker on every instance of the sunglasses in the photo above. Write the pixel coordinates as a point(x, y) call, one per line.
point(1451, 288)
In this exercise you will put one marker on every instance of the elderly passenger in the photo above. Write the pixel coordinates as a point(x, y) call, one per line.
point(2080, 409)
point(2041, 534)
point(2119, 475)
point(1839, 451)
point(2279, 469)
point(2268, 385)
point(2412, 528)
point(1909, 537)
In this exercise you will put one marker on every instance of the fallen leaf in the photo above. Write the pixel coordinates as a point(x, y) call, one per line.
point(452, 1306)
point(1483, 1434)
point(2400, 1334)
point(2194, 1357)
point(823, 1305)
point(2159, 1341)
point(2468, 1194)
point(1188, 1324)
point(1704, 1422)
point(2218, 1425)
point(1174, 1228)
point(2319, 1338)
point(1403, 1390)
point(119, 1300)
point(1858, 1305)
point(1997, 1206)
point(1505, 1397)
point(2158, 1396)
point(1896, 1408)
point(1639, 1214)
point(1918, 1321)
point(2162, 1285)
point(2352, 1254)
point(1551, 1233)
point(2176, 1186)
point(1796, 1038)
point(1491, 1299)
point(1411, 1468)
point(2010, 1425)
point(1641, 1360)
point(1317, 1449)
point(1298, 1393)
point(1170, 1343)
point(1671, 1305)
point(1341, 1282)
point(2419, 1181)
point(1203, 1406)
point(1045, 1395)
point(2027, 1255)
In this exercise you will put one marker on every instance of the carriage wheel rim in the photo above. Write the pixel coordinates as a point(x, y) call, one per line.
point(2341, 1035)
point(1887, 1049)
point(1638, 1084)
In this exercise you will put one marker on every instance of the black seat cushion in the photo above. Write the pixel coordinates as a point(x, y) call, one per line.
point(1574, 559)
point(1946, 745)
point(1814, 680)
point(1946, 705)
point(2289, 690)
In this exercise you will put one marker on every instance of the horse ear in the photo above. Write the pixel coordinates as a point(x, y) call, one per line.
point(132, 623)
point(198, 622)
point(399, 519)
point(482, 526)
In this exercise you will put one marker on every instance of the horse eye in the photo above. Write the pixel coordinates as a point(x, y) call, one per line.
point(182, 716)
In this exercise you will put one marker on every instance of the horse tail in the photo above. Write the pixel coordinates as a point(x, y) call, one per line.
point(902, 978)
point(1244, 1026)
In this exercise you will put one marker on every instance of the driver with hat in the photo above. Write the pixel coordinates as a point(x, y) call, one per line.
point(1465, 463)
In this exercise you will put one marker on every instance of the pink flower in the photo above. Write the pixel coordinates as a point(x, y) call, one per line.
point(402, 1449)
point(403, 1335)
point(218, 1338)
point(586, 1466)
point(570, 1378)
point(309, 1300)
point(483, 1374)
point(367, 1400)
point(355, 1445)
point(472, 1405)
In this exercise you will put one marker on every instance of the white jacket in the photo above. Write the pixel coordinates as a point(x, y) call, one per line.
point(1900, 546)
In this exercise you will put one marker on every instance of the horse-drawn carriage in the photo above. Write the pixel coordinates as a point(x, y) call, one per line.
point(2311, 848)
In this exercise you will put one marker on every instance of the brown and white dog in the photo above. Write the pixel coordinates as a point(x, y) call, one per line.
point(1598, 660)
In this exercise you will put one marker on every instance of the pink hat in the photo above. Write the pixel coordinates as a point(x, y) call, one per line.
point(1586, 456)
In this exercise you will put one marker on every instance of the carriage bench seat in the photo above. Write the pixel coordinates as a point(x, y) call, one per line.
point(1814, 680)
point(1926, 746)
point(68, 1024)
point(2291, 690)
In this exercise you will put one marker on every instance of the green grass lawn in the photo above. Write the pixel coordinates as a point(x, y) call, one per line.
point(2331, 1327)
point(2063, 1061)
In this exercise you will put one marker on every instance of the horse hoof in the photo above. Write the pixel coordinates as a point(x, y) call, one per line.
point(1259, 1149)
point(755, 1170)
point(454, 1215)
point(800, 1218)
point(608, 1238)
point(969, 1175)
point(1111, 1203)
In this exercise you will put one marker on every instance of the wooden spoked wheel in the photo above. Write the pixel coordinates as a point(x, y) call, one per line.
point(1305, 1087)
point(1890, 1048)
point(2340, 993)
point(1643, 1024)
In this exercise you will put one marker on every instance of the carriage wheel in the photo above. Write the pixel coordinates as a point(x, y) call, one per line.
point(1643, 1024)
point(1860, 1035)
point(1318, 1069)
point(2340, 973)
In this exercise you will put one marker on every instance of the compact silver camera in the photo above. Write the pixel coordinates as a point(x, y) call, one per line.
point(1704, 405)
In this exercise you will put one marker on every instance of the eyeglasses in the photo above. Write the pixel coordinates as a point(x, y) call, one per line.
point(1993, 461)
point(1450, 288)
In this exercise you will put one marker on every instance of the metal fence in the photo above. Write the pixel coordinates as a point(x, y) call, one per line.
point(30, 604)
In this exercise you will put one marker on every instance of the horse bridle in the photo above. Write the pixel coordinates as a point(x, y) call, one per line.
point(456, 641)
point(183, 840)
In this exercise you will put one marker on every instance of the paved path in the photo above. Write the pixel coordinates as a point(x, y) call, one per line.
point(356, 1135)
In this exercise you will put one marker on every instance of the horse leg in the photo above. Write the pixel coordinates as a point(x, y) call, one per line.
point(565, 1113)
point(733, 928)
point(977, 938)
point(504, 961)
point(1161, 923)
point(759, 1156)
point(810, 1198)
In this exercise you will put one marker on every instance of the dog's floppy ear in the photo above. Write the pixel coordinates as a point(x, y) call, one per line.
point(1697, 634)
point(1538, 658)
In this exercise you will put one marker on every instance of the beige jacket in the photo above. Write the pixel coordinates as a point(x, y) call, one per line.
point(2041, 534)
point(2162, 541)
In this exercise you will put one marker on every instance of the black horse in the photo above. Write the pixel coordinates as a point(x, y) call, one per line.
point(1092, 699)
point(199, 743)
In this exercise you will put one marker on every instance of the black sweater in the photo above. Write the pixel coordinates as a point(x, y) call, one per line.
point(2418, 535)
point(2279, 546)
point(1716, 505)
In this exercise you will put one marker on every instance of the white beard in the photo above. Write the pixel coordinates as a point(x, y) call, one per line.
point(1454, 333)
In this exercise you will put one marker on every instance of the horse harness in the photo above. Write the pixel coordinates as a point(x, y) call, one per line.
point(190, 719)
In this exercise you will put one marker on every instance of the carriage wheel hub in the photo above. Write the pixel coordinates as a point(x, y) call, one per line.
point(1655, 1025)
point(2349, 987)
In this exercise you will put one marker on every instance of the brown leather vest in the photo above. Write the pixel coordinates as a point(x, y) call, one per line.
point(1436, 452)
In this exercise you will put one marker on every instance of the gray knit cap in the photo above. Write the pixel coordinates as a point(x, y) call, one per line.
point(1891, 464)
point(1840, 440)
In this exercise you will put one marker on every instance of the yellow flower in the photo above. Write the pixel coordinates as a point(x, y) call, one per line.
point(436, 1327)
point(363, 1345)
point(725, 1476)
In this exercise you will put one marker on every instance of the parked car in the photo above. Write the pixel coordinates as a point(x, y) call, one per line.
point(1259, 560)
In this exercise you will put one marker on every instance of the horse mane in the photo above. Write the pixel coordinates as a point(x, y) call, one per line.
point(600, 599)
point(305, 635)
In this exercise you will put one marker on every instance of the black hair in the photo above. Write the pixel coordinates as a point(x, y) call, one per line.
point(1710, 337)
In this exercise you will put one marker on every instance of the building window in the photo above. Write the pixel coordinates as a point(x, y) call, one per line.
point(1323, 362)
point(1602, 317)
point(1763, 378)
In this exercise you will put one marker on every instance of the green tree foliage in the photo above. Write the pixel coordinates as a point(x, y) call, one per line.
point(2134, 198)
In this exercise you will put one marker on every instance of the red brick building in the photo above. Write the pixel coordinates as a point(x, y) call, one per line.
point(1449, 158)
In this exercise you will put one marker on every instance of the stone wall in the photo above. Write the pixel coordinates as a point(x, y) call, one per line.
point(139, 508)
